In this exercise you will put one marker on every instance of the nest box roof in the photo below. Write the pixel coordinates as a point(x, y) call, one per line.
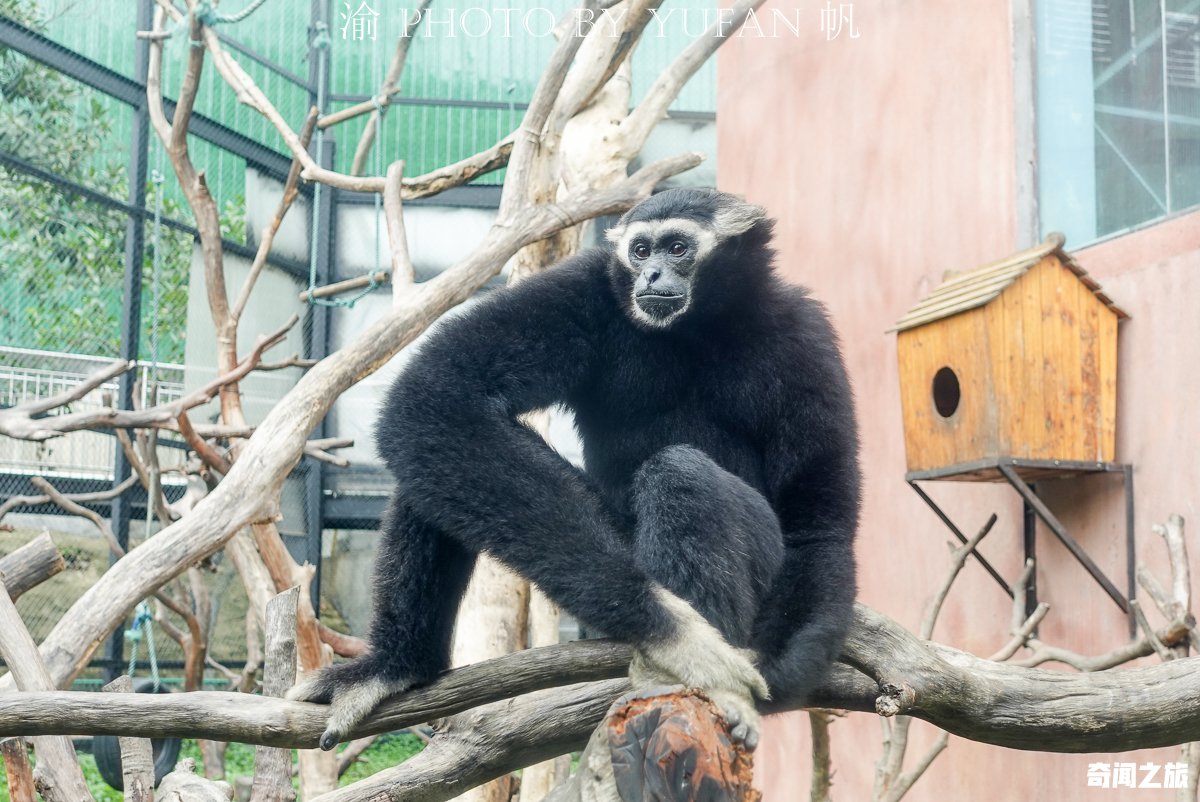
point(961, 292)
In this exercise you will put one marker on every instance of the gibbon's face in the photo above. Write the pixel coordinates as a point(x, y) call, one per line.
point(667, 245)
point(664, 258)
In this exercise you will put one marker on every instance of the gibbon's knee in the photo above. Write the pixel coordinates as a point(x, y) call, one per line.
point(706, 536)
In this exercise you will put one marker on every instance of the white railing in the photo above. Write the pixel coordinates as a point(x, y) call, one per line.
point(29, 375)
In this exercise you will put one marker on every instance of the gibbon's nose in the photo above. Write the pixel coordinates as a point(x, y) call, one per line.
point(653, 276)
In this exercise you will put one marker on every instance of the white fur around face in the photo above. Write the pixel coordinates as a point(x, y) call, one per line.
point(651, 230)
point(737, 218)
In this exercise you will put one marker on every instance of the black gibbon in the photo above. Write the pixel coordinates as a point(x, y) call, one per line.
point(713, 526)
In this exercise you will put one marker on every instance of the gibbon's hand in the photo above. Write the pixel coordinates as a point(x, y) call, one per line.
point(698, 657)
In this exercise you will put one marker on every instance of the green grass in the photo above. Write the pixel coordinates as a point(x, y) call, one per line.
point(387, 751)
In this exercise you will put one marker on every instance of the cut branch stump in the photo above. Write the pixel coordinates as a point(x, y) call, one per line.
point(272, 765)
point(672, 746)
point(30, 565)
point(184, 785)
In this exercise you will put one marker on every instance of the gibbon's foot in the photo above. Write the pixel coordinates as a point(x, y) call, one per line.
point(351, 693)
point(697, 656)
point(738, 710)
point(740, 714)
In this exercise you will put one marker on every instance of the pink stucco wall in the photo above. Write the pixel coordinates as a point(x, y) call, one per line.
point(889, 159)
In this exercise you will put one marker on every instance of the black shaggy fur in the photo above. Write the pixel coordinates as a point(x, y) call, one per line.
point(721, 461)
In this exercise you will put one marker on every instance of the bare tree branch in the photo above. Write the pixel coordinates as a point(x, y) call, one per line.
point(431, 183)
point(58, 777)
point(84, 498)
point(1107, 711)
point(383, 97)
point(822, 775)
point(250, 490)
point(637, 126)
point(609, 44)
point(277, 722)
point(293, 361)
point(42, 405)
point(291, 189)
point(272, 766)
point(343, 645)
point(162, 416)
point(353, 751)
point(958, 559)
point(137, 755)
point(403, 272)
point(345, 285)
point(18, 770)
point(204, 450)
point(528, 137)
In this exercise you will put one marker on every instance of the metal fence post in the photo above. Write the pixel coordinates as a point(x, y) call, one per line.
point(131, 310)
point(317, 346)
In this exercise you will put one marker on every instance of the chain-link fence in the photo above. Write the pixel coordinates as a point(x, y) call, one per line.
point(99, 259)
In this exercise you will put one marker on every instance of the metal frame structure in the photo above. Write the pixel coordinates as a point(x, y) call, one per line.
point(324, 506)
point(1014, 472)
point(326, 502)
point(132, 92)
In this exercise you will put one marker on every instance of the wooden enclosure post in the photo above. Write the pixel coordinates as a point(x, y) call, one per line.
point(137, 755)
point(272, 765)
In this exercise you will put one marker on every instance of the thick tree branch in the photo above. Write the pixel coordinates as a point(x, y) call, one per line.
point(272, 766)
point(137, 755)
point(277, 722)
point(1040, 710)
point(1045, 710)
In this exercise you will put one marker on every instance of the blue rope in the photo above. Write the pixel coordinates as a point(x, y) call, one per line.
point(207, 14)
point(143, 621)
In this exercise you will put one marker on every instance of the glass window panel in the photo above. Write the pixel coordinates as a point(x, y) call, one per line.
point(1118, 129)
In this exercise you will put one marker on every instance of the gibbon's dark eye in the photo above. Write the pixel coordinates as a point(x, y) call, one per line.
point(641, 251)
point(677, 248)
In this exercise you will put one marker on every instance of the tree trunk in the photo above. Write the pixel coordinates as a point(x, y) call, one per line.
point(491, 622)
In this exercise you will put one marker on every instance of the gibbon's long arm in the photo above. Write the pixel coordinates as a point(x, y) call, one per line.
point(813, 484)
point(450, 434)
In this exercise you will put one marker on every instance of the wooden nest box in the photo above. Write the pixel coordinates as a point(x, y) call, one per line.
point(1012, 362)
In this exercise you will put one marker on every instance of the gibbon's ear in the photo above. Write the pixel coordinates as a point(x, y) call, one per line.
point(735, 216)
